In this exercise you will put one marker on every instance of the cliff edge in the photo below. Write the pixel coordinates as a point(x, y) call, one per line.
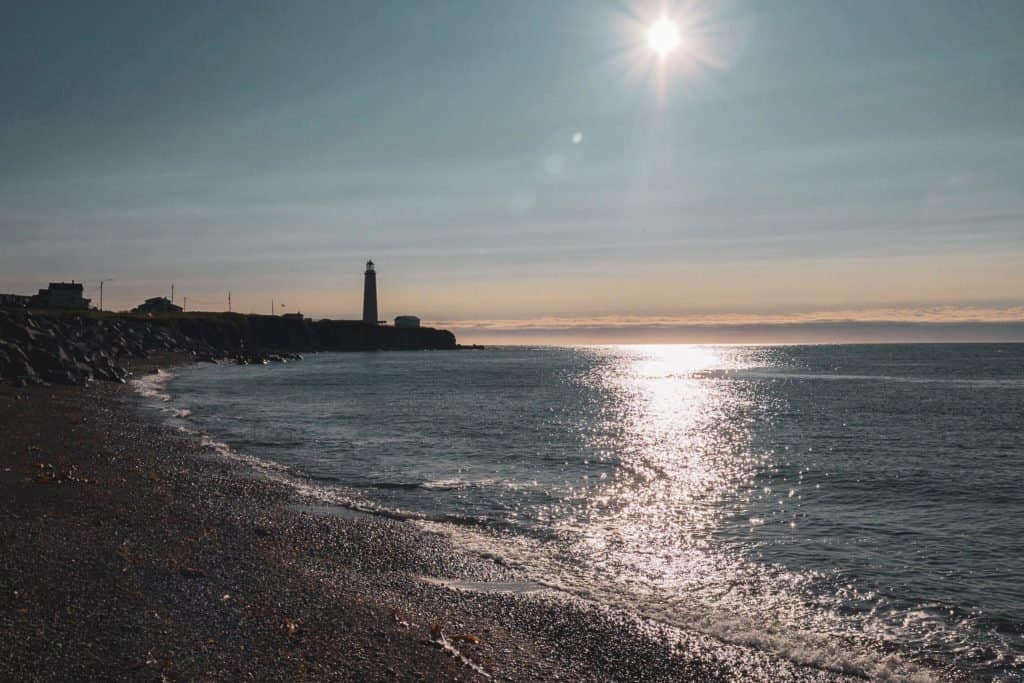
point(74, 347)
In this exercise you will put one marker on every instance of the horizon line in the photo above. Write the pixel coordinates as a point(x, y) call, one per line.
point(659, 331)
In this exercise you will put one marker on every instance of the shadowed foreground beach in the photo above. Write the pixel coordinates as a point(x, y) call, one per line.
point(132, 552)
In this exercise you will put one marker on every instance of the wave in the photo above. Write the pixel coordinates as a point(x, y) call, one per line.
point(539, 567)
point(268, 467)
point(154, 385)
point(267, 443)
point(350, 500)
point(395, 485)
point(439, 485)
point(980, 383)
point(543, 571)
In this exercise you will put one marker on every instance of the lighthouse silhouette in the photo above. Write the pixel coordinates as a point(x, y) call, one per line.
point(370, 295)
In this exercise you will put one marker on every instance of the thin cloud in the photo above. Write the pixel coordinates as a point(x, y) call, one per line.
point(931, 315)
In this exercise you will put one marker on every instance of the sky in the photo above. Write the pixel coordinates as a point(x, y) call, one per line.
point(527, 171)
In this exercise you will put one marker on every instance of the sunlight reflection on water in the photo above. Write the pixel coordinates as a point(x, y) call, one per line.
point(679, 450)
point(678, 525)
point(785, 497)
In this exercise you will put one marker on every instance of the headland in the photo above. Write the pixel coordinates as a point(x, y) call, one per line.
point(73, 347)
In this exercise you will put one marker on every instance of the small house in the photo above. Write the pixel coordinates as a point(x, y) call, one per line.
point(60, 295)
point(157, 304)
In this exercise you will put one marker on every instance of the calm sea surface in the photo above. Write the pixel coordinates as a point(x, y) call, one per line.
point(860, 507)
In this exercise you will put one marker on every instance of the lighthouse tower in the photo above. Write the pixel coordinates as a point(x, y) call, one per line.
point(370, 295)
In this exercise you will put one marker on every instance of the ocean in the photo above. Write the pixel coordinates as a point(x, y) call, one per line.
point(858, 507)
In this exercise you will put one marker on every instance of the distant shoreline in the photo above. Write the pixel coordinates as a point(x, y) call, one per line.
point(73, 347)
point(759, 334)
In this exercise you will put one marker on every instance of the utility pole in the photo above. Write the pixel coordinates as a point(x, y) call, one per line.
point(184, 304)
point(101, 290)
point(229, 301)
point(271, 307)
point(172, 292)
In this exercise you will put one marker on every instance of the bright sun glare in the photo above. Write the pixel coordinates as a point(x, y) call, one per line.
point(663, 36)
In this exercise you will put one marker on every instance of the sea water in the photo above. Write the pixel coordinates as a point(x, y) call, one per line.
point(854, 507)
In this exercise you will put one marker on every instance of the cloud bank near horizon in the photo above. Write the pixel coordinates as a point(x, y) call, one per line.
point(932, 324)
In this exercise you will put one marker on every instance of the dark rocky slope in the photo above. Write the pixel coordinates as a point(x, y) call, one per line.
point(73, 348)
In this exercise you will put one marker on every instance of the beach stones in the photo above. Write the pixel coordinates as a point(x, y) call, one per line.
point(42, 349)
point(76, 348)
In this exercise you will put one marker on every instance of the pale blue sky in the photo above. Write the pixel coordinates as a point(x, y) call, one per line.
point(812, 156)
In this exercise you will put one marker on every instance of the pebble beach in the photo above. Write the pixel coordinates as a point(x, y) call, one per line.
point(131, 551)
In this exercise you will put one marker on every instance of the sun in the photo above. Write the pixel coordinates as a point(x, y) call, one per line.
point(663, 37)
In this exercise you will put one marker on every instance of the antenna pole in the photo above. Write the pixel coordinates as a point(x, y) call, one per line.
point(101, 290)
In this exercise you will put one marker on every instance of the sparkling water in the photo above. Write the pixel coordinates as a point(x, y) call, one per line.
point(855, 507)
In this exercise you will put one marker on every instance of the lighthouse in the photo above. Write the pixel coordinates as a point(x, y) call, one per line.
point(370, 295)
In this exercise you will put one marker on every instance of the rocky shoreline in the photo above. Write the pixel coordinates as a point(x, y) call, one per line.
point(134, 552)
point(75, 348)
